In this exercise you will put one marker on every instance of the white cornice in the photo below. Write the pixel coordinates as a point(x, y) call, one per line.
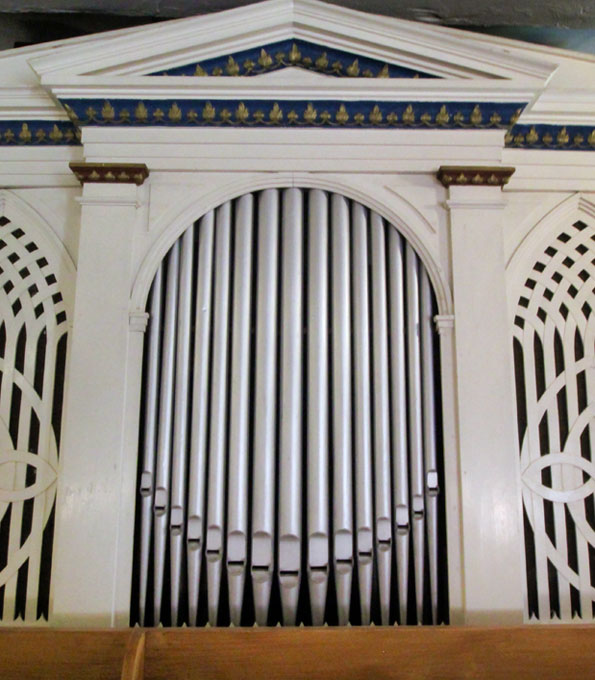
point(28, 103)
point(573, 107)
point(380, 89)
point(437, 50)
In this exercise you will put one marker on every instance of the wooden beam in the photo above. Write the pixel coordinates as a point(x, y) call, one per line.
point(443, 653)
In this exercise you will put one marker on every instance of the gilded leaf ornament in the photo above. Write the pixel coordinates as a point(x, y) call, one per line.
point(353, 69)
point(265, 59)
point(208, 112)
point(174, 113)
point(310, 114)
point(276, 115)
point(476, 116)
point(375, 115)
point(107, 111)
point(242, 113)
point(342, 116)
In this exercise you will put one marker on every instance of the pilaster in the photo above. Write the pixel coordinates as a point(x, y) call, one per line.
point(91, 585)
point(491, 537)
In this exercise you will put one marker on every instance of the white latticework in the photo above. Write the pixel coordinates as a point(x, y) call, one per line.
point(32, 353)
point(554, 348)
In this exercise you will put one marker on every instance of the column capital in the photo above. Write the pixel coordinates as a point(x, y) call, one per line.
point(138, 321)
point(110, 173)
point(445, 323)
point(474, 175)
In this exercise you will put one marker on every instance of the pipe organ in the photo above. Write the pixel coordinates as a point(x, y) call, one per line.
point(272, 283)
point(291, 456)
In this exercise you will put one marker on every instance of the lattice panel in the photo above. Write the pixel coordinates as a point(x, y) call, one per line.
point(32, 355)
point(554, 347)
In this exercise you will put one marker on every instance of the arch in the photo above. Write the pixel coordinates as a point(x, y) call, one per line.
point(404, 216)
point(543, 232)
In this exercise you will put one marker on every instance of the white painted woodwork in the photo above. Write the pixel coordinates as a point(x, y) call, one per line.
point(97, 468)
point(491, 535)
point(475, 250)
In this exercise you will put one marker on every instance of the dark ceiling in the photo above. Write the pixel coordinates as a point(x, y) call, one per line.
point(560, 23)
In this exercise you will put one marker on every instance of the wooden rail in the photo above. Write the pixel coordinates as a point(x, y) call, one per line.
point(447, 653)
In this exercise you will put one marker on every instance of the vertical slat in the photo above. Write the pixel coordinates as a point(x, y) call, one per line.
point(415, 424)
point(263, 507)
point(239, 431)
point(571, 477)
point(381, 419)
point(198, 435)
point(290, 426)
point(318, 404)
point(429, 437)
point(47, 451)
point(166, 391)
point(398, 383)
point(362, 415)
point(28, 327)
point(341, 401)
point(555, 444)
point(535, 504)
point(218, 411)
point(180, 437)
point(153, 349)
point(6, 395)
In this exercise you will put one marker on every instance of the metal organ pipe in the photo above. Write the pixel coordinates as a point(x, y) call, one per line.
point(218, 411)
point(239, 428)
point(265, 405)
point(198, 432)
point(290, 425)
point(341, 406)
point(430, 447)
point(416, 461)
point(180, 426)
point(400, 452)
point(290, 420)
point(166, 392)
point(151, 395)
point(362, 411)
point(317, 416)
point(381, 401)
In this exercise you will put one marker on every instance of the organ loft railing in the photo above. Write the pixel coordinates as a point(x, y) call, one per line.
point(290, 450)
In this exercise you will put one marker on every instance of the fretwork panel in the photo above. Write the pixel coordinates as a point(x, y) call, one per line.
point(32, 357)
point(554, 347)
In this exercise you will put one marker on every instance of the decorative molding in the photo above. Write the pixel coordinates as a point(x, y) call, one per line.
point(445, 323)
point(38, 133)
point(110, 173)
point(302, 113)
point(456, 175)
point(294, 53)
point(138, 321)
point(433, 49)
point(555, 137)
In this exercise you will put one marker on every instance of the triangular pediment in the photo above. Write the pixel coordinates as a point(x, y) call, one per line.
point(297, 54)
point(298, 63)
point(329, 39)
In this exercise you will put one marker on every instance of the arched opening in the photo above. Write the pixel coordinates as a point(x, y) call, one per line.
point(290, 451)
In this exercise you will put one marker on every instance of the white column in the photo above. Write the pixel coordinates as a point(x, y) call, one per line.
point(96, 493)
point(492, 571)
